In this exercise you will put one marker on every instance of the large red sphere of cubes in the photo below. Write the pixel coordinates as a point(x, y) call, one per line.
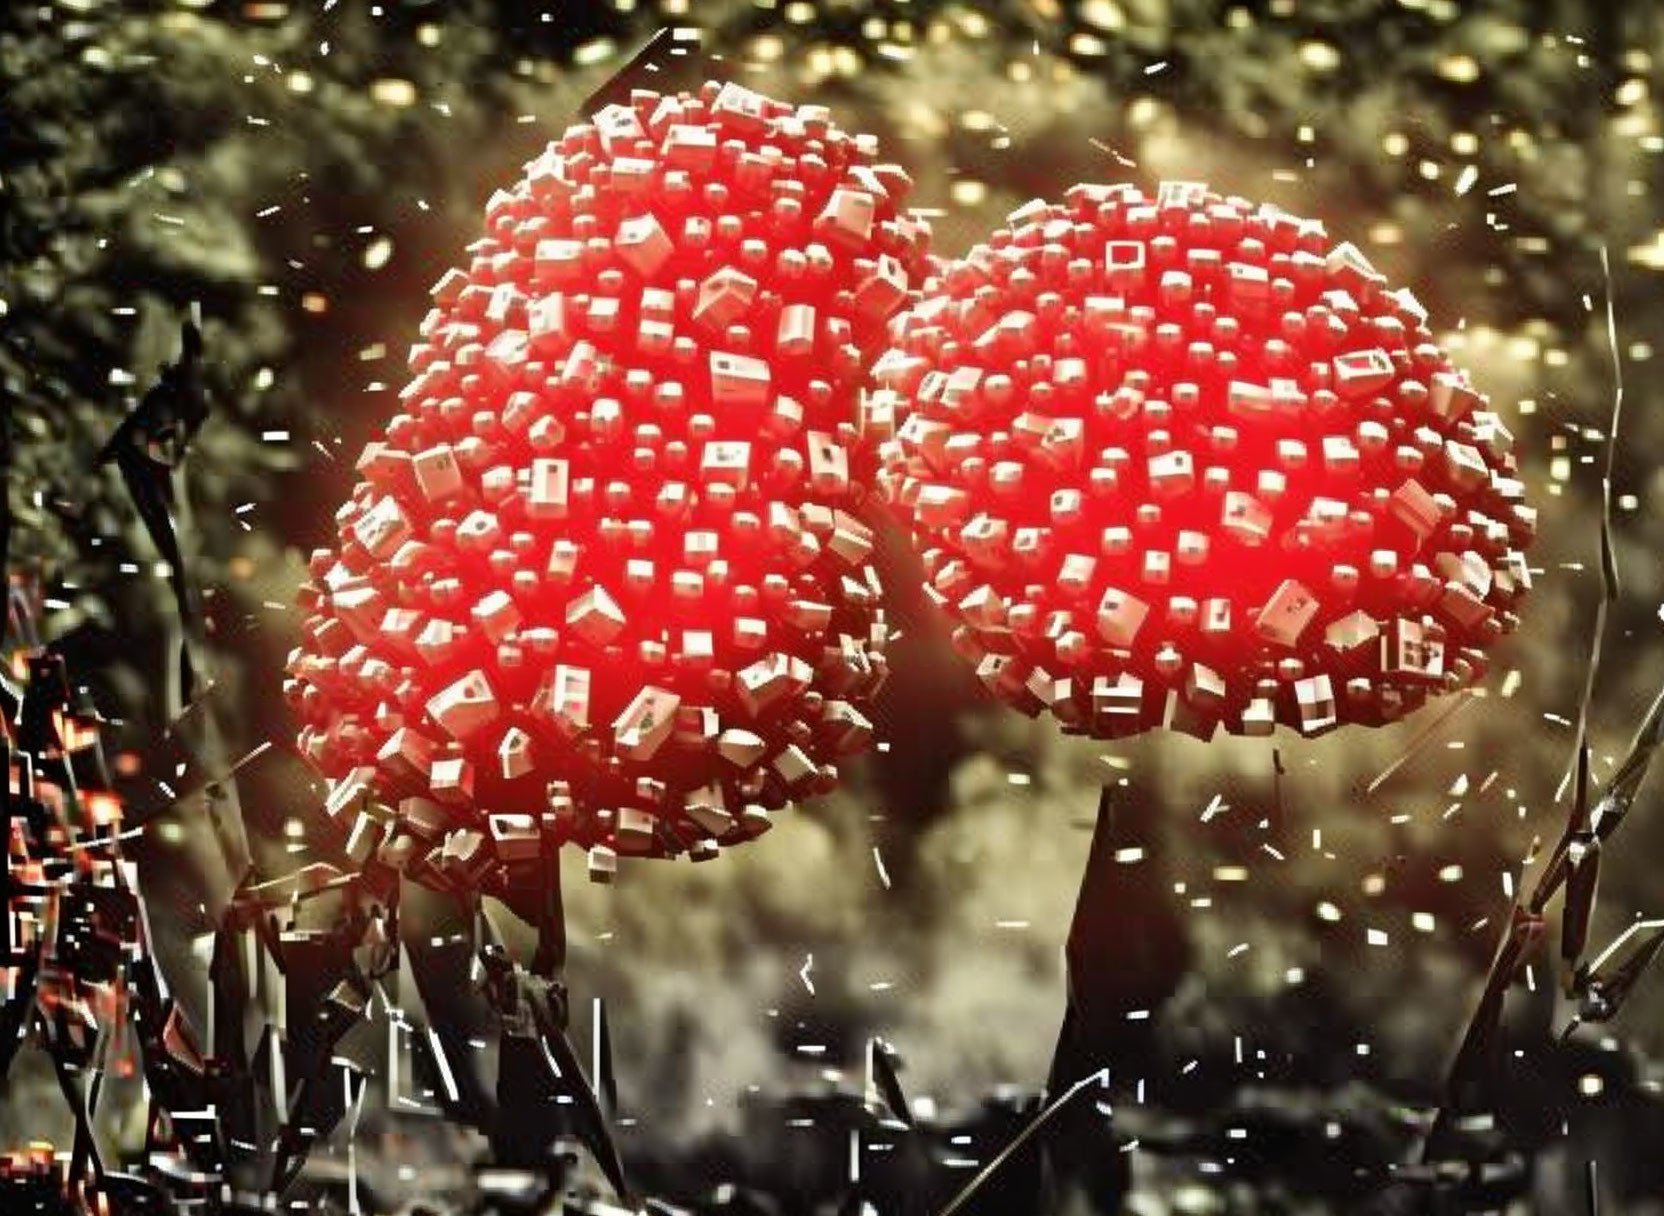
point(601, 581)
point(1181, 461)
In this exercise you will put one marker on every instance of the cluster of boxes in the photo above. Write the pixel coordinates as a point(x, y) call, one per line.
point(603, 580)
point(1226, 479)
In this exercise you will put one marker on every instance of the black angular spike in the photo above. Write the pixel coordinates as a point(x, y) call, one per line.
point(1613, 805)
point(549, 1015)
point(1582, 886)
point(1624, 784)
point(881, 1067)
point(434, 969)
point(1613, 988)
point(670, 61)
point(1484, 1027)
point(606, 1082)
point(147, 445)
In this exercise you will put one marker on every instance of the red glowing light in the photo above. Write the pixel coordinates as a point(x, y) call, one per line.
point(1178, 460)
point(601, 581)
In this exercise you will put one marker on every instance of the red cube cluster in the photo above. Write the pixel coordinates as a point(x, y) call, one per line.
point(601, 581)
point(1180, 461)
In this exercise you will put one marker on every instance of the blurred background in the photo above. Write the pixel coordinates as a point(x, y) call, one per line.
point(1312, 940)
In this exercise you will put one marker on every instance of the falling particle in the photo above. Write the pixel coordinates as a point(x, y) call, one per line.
point(591, 53)
point(1104, 15)
point(883, 874)
point(1467, 178)
point(808, 964)
point(1158, 66)
point(1239, 948)
point(1319, 56)
point(391, 91)
point(1651, 255)
point(1462, 69)
point(377, 253)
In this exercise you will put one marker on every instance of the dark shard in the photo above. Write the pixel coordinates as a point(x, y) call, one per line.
point(147, 447)
point(672, 60)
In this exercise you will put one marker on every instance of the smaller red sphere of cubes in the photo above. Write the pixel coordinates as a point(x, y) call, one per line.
point(1181, 461)
point(602, 581)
